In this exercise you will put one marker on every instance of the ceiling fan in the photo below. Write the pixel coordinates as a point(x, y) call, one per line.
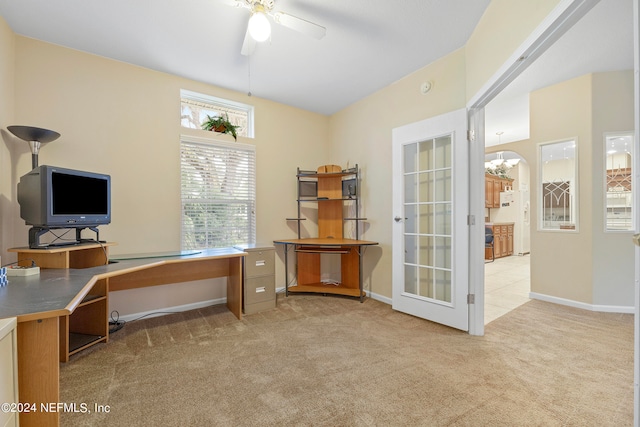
point(259, 29)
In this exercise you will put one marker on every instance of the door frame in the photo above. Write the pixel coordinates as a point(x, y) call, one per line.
point(636, 206)
point(566, 13)
point(558, 22)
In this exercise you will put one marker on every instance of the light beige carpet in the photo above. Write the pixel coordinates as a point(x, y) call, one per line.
point(327, 361)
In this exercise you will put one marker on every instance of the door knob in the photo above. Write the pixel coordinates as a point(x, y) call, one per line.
point(399, 219)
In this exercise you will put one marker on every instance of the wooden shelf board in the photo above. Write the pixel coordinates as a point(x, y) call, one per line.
point(309, 174)
point(78, 342)
point(90, 299)
point(327, 199)
point(322, 288)
point(62, 249)
point(324, 251)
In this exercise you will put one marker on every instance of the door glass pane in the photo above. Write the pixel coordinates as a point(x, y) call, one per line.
point(410, 188)
point(443, 185)
point(442, 252)
point(410, 158)
point(443, 285)
point(410, 250)
point(618, 178)
point(427, 248)
point(410, 218)
point(442, 218)
point(426, 187)
point(426, 282)
point(558, 186)
point(425, 160)
point(428, 227)
point(411, 279)
point(426, 219)
point(443, 152)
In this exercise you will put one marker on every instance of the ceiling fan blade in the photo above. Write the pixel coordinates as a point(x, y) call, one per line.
point(301, 25)
point(234, 3)
point(248, 45)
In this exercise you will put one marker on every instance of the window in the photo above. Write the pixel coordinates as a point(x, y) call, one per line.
point(218, 193)
point(194, 108)
point(558, 186)
point(618, 181)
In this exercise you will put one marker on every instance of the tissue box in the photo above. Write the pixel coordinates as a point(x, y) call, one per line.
point(22, 271)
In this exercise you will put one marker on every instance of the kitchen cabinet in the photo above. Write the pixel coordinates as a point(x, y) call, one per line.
point(502, 240)
point(493, 186)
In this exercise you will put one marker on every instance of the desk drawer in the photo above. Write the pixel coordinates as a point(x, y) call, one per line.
point(260, 262)
point(259, 289)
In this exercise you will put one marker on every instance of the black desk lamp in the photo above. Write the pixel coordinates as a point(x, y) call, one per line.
point(34, 136)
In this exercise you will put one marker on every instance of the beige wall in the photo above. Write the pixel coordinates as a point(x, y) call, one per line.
point(503, 28)
point(560, 112)
point(123, 120)
point(613, 253)
point(7, 96)
point(361, 134)
point(588, 266)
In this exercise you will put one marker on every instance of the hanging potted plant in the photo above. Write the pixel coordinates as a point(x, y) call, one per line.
point(220, 124)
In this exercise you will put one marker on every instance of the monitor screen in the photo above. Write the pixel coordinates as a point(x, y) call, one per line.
point(74, 194)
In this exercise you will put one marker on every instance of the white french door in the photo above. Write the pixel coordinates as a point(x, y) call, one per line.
point(430, 231)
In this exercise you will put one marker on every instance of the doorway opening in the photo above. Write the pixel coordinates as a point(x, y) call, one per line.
point(507, 275)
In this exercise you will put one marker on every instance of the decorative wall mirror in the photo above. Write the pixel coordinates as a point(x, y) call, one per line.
point(558, 203)
point(618, 181)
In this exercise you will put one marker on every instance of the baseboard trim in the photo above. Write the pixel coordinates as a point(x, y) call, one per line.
point(583, 305)
point(383, 299)
point(379, 297)
point(170, 310)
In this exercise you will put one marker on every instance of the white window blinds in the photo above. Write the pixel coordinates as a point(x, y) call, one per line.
point(218, 194)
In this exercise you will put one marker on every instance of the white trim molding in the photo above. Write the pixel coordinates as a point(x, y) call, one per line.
point(171, 310)
point(583, 305)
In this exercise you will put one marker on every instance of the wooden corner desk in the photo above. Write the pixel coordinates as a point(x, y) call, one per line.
point(308, 265)
point(75, 281)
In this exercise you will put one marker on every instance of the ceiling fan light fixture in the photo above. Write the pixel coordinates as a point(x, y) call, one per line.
point(259, 26)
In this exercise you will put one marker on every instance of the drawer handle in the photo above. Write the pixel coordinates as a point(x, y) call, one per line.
point(261, 289)
point(260, 263)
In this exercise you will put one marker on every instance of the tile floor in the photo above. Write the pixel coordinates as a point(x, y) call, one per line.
point(506, 285)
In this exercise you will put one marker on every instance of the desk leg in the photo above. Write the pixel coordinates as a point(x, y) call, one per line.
point(234, 287)
point(286, 267)
point(38, 370)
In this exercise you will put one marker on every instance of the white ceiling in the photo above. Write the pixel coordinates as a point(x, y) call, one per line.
point(369, 44)
point(601, 41)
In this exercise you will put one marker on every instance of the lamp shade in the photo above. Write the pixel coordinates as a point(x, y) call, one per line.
point(34, 136)
point(30, 133)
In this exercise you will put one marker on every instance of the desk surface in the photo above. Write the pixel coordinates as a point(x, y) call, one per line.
point(56, 292)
